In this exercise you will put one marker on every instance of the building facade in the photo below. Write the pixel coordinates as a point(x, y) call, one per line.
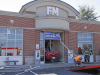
point(24, 32)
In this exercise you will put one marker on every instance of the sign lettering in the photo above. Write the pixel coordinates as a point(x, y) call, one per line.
point(52, 11)
point(52, 35)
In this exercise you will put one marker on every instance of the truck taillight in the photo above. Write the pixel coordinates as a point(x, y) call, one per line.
point(46, 54)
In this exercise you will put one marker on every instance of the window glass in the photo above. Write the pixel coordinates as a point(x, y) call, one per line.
point(19, 31)
point(3, 30)
point(41, 35)
point(42, 47)
point(3, 43)
point(10, 36)
point(85, 43)
point(2, 51)
point(79, 39)
point(89, 39)
point(84, 35)
point(9, 45)
point(84, 39)
point(80, 43)
point(79, 35)
point(89, 35)
point(19, 45)
point(3, 36)
point(90, 47)
point(80, 48)
point(10, 48)
point(19, 36)
point(11, 31)
point(2, 47)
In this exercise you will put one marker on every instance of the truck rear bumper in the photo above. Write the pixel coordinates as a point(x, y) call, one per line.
point(52, 57)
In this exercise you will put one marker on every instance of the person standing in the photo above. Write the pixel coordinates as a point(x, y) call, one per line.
point(87, 54)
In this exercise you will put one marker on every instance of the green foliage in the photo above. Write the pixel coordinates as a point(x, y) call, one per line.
point(87, 13)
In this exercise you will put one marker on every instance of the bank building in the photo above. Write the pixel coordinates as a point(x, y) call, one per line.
point(42, 24)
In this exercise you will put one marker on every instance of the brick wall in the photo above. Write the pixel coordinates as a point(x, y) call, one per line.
point(66, 41)
point(28, 42)
point(72, 17)
point(29, 12)
point(96, 44)
point(90, 28)
point(18, 21)
point(80, 27)
point(71, 43)
point(29, 39)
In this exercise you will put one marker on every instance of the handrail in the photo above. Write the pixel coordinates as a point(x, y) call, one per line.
point(67, 47)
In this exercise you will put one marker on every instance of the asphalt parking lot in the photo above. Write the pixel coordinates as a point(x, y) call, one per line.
point(59, 71)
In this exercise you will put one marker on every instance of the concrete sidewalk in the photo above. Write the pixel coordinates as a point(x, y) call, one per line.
point(43, 66)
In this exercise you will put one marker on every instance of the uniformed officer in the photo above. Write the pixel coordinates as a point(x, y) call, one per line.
point(87, 54)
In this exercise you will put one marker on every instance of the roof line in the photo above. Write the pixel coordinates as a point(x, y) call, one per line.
point(68, 4)
point(57, 0)
point(29, 2)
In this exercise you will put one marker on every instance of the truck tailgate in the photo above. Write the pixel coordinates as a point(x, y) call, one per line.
point(53, 54)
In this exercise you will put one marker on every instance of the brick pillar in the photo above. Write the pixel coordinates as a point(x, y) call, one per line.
point(96, 45)
point(28, 44)
point(66, 40)
point(71, 42)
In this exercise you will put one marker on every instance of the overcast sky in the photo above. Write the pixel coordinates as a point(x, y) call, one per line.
point(15, 5)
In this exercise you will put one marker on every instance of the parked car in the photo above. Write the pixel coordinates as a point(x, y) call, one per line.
point(52, 55)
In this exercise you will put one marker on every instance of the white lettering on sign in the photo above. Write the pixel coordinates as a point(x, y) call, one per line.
point(52, 11)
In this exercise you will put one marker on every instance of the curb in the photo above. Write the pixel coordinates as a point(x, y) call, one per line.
point(47, 66)
point(40, 68)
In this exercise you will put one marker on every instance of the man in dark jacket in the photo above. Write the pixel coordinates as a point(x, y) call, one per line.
point(87, 54)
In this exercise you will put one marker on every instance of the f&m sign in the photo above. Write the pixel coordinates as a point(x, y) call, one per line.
point(52, 11)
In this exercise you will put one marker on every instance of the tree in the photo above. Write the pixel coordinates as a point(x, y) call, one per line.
point(87, 13)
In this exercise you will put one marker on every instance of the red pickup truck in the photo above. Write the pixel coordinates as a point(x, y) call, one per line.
point(52, 55)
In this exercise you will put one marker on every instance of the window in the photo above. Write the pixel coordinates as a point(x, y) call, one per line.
point(11, 31)
point(3, 30)
point(11, 36)
point(19, 31)
point(84, 38)
point(3, 36)
point(11, 42)
point(42, 45)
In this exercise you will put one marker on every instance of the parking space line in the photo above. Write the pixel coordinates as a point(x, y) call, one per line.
point(33, 72)
point(29, 70)
point(20, 73)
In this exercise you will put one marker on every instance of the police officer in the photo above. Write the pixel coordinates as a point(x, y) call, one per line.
point(87, 54)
